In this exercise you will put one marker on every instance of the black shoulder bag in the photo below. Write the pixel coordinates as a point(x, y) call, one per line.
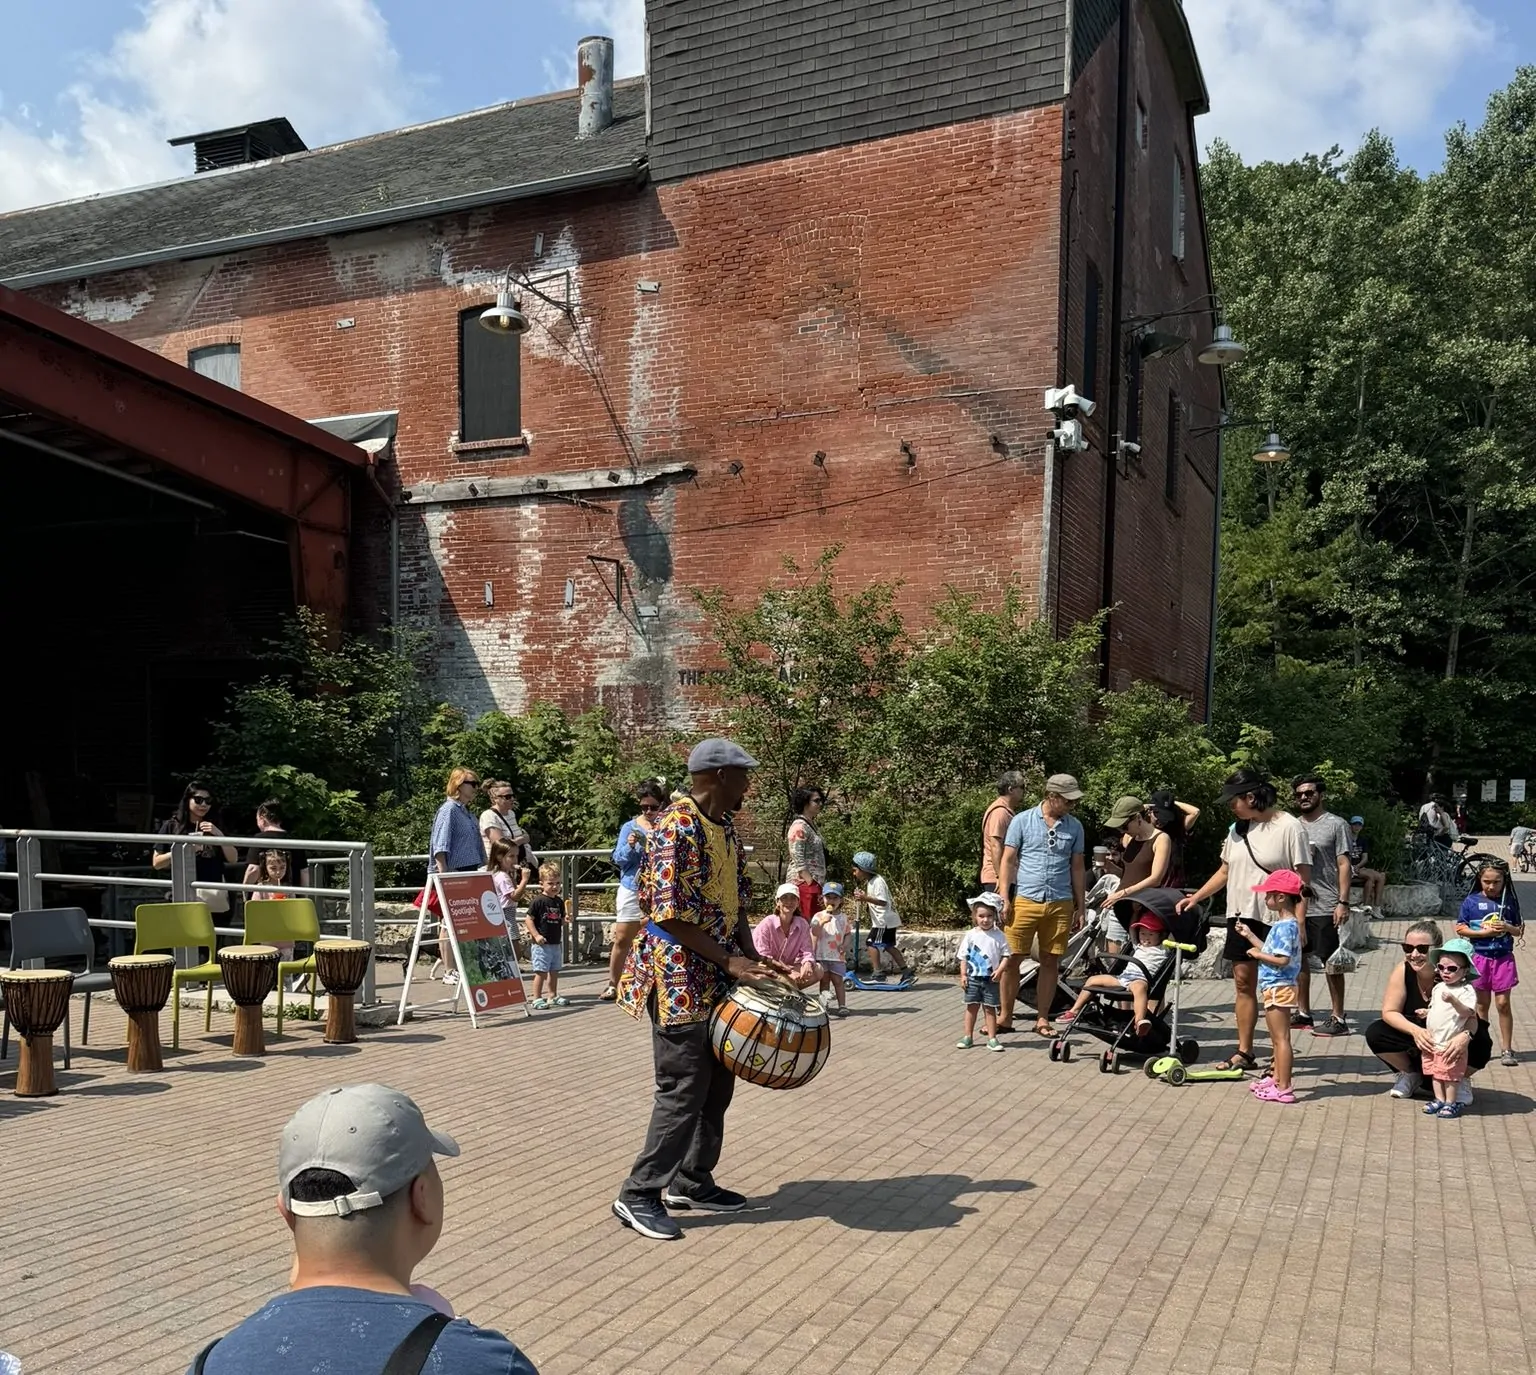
point(406, 1359)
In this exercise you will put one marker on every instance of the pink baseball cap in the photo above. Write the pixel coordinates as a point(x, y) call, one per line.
point(1281, 881)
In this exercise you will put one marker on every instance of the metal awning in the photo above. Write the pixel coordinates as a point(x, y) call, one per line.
point(80, 394)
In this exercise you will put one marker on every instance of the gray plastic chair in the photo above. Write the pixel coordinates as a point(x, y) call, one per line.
point(56, 933)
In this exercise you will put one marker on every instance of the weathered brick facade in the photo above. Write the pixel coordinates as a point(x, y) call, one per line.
point(897, 304)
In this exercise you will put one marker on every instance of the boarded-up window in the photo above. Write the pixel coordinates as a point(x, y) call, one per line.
point(221, 362)
point(490, 381)
point(1091, 334)
point(1173, 459)
point(1180, 208)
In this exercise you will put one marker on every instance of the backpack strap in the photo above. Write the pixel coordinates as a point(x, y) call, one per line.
point(410, 1356)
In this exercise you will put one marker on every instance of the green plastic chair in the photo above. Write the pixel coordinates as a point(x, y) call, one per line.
point(280, 920)
point(170, 926)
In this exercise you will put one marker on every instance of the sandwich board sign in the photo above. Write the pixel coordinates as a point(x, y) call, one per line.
point(483, 953)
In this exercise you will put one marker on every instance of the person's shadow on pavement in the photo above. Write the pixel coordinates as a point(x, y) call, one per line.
point(910, 1203)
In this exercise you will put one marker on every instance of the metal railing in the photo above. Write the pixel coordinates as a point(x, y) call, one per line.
point(183, 883)
point(576, 867)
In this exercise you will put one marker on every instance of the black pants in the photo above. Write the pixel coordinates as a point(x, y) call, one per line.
point(687, 1131)
point(1388, 1040)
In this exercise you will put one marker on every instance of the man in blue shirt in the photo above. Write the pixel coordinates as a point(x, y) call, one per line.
point(359, 1189)
point(1043, 859)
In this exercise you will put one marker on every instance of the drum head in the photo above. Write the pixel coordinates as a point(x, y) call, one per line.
point(247, 952)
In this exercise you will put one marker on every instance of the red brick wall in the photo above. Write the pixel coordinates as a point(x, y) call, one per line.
point(847, 302)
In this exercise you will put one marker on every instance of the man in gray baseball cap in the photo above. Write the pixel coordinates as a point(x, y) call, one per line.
point(359, 1189)
point(693, 889)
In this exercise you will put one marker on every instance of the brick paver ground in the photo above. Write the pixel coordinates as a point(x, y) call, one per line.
point(918, 1208)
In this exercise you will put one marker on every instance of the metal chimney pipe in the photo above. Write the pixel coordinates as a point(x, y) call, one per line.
point(594, 80)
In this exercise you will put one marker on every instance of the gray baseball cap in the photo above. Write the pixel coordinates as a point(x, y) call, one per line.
point(1064, 785)
point(374, 1135)
point(717, 753)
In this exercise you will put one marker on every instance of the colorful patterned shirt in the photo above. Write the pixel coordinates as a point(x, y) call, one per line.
point(694, 871)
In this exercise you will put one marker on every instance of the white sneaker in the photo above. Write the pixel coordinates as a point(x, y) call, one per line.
point(1464, 1091)
point(1404, 1085)
point(451, 978)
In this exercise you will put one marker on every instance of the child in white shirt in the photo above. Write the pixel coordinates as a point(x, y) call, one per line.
point(829, 930)
point(981, 954)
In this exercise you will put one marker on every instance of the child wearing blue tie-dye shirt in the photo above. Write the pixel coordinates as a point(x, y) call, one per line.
point(981, 953)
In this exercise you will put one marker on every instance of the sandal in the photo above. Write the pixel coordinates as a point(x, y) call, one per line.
point(1273, 1093)
point(608, 995)
point(1238, 1059)
point(1044, 1028)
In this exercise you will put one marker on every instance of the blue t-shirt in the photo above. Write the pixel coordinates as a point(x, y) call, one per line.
point(1045, 854)
point(352, 1332)
point(1476, 909)
point(1284, 939)
point(456, 833)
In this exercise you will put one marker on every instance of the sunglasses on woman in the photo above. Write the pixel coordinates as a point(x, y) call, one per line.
point(650, 806)
point(201, 799)
point(1415, 949)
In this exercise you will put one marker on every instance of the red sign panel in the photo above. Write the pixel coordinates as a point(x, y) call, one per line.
point(473, 911)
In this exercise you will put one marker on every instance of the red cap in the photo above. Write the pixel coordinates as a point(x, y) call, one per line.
point(1281, 881)
point(1151, 921)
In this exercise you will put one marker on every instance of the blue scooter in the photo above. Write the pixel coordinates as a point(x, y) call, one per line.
point(852, 978)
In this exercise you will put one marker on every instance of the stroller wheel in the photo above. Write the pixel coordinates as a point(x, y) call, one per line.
point(1109, 1063)
point(1055, 1052)
point(1066, 1051)
point(1189, 1050)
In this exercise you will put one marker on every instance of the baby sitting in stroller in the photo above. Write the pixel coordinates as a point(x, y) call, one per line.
point(1141, 964)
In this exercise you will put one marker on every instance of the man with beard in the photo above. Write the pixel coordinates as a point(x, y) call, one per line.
point(1330, 839)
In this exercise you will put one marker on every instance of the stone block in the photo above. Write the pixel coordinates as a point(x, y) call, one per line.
point(1411, 900)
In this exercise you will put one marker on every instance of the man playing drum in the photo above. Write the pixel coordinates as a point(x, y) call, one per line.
point(693, 889)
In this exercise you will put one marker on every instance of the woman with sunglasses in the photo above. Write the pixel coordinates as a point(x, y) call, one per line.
point(456, 847)
point(628, 856)
point(807, 853)
point(1400, 1037)
point(192, 818)
point(1152, 836)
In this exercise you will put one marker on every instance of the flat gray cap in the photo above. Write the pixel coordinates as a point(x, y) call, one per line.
point(717, 753)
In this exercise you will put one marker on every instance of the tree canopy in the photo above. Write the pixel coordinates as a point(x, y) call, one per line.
point(1375, 601)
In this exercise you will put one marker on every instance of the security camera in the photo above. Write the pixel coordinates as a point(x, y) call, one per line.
point(1068, 437)
point(1129, 446)
point(1061, 399)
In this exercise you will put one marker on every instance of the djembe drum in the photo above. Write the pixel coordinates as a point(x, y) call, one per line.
point(142, 984)
point(250, 973)
point(341, 967)
point(770, 1033)
point(38, 1002)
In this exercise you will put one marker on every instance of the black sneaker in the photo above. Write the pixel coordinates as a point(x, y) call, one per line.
point(648, 1218)
point(1300, 1019)
point(714, 1200)
point(1334, 1026)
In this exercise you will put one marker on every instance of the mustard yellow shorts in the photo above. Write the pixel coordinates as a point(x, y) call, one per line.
point(1280, 995)
point(1050, 921)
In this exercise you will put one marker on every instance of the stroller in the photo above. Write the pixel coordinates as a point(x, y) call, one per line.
point(1108, 1016)
point(1081, 947)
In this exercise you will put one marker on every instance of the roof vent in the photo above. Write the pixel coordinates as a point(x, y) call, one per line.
point(267, 138)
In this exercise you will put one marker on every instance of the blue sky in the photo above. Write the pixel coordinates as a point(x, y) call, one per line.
point(90, 89)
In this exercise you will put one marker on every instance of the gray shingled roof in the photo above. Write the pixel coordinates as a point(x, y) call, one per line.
point(503, 153)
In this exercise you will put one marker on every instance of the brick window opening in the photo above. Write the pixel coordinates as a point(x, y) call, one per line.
point(219, 362)
point(1179, 208)
point(1091, 293)
point(490, 382)
point(1173, 458)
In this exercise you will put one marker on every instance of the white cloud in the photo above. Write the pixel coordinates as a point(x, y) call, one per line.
point(621, 20)
point(190, 65)
point(1293, 76)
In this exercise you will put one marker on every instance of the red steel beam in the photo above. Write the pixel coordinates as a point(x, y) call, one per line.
point(128, 396)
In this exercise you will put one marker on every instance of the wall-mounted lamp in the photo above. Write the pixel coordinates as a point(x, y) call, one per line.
point(1222, 351)
point(1000, 446)
point(911, 455)
point(735, 467)
point(570, 593)
point(1272, 450)
point(820, 459)
point(506, 316)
